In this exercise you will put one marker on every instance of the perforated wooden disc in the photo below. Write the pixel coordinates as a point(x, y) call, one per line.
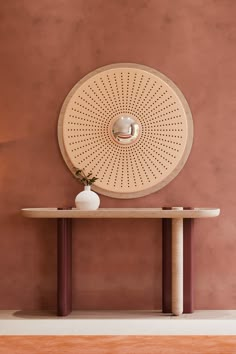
point(151, 99)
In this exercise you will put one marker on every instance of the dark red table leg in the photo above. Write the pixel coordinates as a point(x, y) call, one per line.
point(188, 265)
point(64, 266)
point(166, 264)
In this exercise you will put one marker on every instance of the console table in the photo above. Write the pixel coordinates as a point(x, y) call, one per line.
point(177, 294)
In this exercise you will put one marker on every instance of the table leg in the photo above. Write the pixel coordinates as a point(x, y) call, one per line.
point(177, 266)
point(64, 267)
point(166, 265)
point(188, 266)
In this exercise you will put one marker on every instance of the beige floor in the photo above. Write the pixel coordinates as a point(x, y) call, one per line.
point(16, 322)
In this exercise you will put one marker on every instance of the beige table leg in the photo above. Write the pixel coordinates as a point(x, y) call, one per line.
point(177, 266)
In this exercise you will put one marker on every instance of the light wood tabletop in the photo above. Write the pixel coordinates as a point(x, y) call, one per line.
point(124, 213)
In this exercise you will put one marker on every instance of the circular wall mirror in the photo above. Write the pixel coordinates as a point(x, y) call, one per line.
point(125, 129)
point(130, 126)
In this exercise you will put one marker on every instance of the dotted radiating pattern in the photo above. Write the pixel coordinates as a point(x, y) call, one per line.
point(163, 114)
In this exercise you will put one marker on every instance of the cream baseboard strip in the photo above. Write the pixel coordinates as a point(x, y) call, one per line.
point(117, 323)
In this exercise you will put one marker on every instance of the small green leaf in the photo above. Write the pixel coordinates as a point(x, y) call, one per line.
point(85, 180)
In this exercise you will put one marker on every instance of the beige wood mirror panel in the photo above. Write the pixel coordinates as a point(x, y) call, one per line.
point(130, 126)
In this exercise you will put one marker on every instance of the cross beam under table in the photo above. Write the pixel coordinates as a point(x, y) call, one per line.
point(177, 249)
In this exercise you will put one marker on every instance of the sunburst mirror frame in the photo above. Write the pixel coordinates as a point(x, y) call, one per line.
point(160, 129)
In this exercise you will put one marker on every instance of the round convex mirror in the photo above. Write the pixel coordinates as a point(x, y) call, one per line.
point(125, 129)
point(130, 125)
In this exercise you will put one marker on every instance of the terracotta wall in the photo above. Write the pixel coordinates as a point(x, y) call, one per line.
point(45, 48)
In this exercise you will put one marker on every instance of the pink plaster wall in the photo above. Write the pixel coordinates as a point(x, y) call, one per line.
point(45, 48)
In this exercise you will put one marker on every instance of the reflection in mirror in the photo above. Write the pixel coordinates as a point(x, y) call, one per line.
point(125, 129)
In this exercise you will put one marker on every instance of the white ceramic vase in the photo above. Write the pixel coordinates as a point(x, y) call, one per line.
point(87, 199)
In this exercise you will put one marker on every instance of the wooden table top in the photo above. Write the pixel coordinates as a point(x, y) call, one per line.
point(122, 213)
